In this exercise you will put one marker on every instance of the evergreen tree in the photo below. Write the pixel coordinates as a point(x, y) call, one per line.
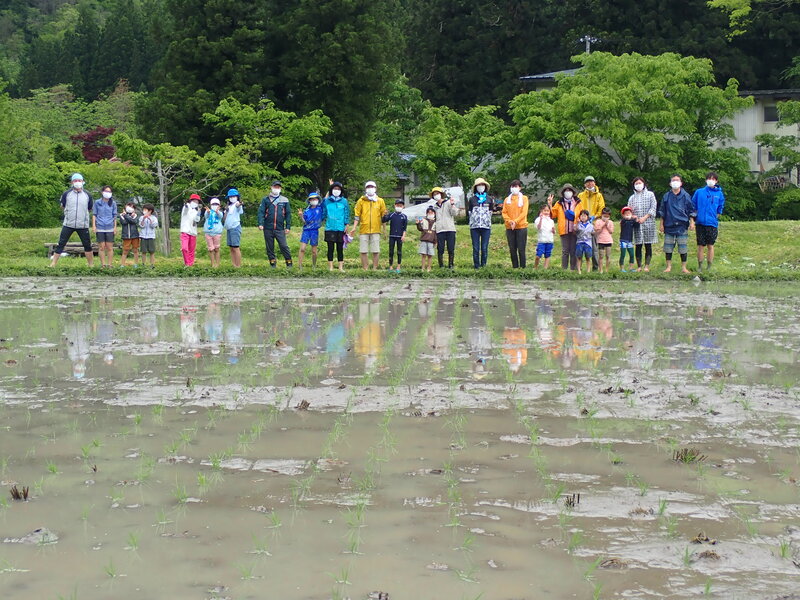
point(340, 58)
point(80, 48)
point(217, 49)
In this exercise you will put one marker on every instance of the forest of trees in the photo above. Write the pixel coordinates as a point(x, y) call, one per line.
point(378, 86)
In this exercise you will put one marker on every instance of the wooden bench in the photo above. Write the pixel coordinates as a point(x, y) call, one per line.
point(76, 248)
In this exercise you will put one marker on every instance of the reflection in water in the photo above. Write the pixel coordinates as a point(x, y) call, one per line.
point(529, 337)
point(76, 335)
point(369, 342)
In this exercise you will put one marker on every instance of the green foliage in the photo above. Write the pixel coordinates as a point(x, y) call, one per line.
point(30, 196)
point(785, 147)
point(629, 115)
point(458, 147)
point(263, 143)
point(217, 50)
point(127, 180)
point(787, 204)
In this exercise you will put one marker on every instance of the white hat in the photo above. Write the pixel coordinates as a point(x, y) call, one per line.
point(215, 201)
point(370, 184)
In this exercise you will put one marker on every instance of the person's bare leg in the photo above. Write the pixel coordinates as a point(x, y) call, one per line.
point(375, 257)
point(124, 260)
point(301, 255)
point(135, 255)
point(536, 263)
point(89, 258)
point(365, 261)
point(314, 250)
point(709, 257)
point(546, 262)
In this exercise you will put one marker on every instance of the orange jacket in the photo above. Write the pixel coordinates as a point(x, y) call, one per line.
point(557, 214)
point(512, 211)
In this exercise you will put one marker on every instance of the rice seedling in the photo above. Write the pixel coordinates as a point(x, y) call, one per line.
point(133, 541)
point(52, 468)
point(259, 546)
point(467, 575)
point(274, 519)
point(662, 507)
point(785, 549)
point(688, 456)
point(109, 569)
point(575, 541)
point(708, 586)
point(687, 557)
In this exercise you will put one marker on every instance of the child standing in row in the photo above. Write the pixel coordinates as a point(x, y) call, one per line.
point(311, 218)
point(603, 229)
point(148, 223)
point(233, 227)
point(398, 222)
point(190, 217)
point(547, 229)
point(213, 231)
point(130, 234)
point(583, 245)
point(627, 228)
point(427, 240)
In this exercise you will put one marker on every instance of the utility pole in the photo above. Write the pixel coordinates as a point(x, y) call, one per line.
point(589, 40)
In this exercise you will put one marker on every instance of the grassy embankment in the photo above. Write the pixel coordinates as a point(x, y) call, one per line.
point(764, 250)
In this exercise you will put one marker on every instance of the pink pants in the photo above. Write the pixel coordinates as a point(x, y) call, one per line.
point(188, 245)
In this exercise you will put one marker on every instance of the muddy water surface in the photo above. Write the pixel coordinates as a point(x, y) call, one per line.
point(315, 440)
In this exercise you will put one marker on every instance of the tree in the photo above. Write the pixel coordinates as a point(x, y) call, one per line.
point(622, 116)
point(457, 147)
point(93, 144)
point(218, 49)
point(339, 57)
point(263, 143)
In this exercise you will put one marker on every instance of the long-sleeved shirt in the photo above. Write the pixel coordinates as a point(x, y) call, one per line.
point(77, 205)
point(398, 222)
point(676, 210)
point(585, 231)
point(130, 225)
point(105, 215)
point(515, 208)
point(190, 217)
point(148, 225)
point(233, 216)
point(604, 229)
point(708, 204)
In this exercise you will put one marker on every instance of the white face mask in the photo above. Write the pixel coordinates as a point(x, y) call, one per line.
point(481, 189)
point(107, 195)
point(437, 196)
point(398, 209)
point(233, 199)
point(591, 188)
point(215, 207)
point(675, 185)
point(128, 209)
point(638, 187)
point(370, 192)
point(78, 185)
point(568, 195)
point(711, 183)
point(275, 191)
point(313, 203)
point(336, 192)
point(192, 204)
point(515, 190)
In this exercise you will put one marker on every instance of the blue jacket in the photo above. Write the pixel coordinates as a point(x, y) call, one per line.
point(708, 203)
point(397, 223)
point(675, 211)
point(105, 214)
point(313, 218)
point(336, 213)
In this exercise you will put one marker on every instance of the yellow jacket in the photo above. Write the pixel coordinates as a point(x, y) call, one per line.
point(369, 214)
point(512, 211)
point(593, 202)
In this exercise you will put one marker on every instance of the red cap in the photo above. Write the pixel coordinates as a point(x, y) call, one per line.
point(195, 197)
point(624, 208)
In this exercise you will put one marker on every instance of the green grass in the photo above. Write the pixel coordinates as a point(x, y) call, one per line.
point(760, 250)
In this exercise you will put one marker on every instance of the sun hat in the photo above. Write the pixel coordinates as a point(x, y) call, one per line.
point(588, 178)
point(481, 181)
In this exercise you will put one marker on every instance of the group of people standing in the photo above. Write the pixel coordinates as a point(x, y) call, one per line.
point(582, 220)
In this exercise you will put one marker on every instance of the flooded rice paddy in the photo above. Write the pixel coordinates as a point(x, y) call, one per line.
point(381, 439)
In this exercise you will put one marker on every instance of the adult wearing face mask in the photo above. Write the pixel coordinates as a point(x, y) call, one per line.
point(445, 226)
point(515, 216)
point(368, 218)
point(708, 202)
point(565, 211)
point(593, 201)
point(677, 214)
point(479, 215)
point(104, 224)
point(76, 204)
point(275, 219)
point(643, 205)
point(336, 214)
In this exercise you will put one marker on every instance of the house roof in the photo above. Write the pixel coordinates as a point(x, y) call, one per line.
point(551, 76)
point(788, 93)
